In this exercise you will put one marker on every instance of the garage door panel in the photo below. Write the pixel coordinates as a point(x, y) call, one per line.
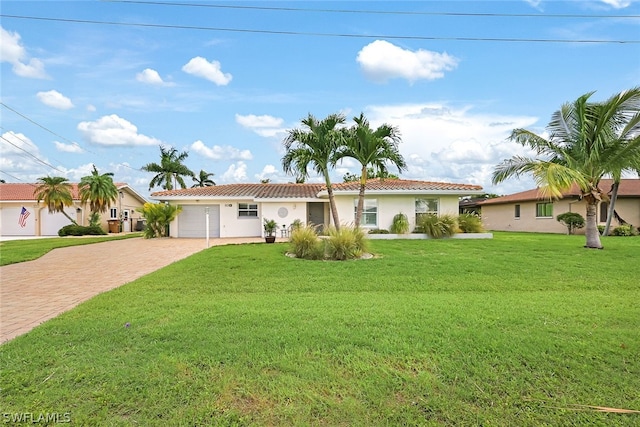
point(52, 222)
point(10, 225)
point(192, 221)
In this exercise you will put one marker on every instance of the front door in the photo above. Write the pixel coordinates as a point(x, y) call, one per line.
point(315, 215)
point(126, 224)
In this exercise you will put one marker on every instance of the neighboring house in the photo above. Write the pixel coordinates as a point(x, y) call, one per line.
point(22, 215)
point(529, 211)
point(238, 210)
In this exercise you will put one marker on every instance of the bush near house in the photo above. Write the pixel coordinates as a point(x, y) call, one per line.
point(624, 230)
point(80, 230)
point(337, 244)
point(437, 227)
point(572, 220)
point(470, 223)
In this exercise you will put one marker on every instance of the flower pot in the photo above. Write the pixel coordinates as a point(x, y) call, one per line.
point(270, 239)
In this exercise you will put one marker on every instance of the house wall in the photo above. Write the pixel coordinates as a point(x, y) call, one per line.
point(390, 205)
point(39, 222)
point(501, 217)
point(284, 213)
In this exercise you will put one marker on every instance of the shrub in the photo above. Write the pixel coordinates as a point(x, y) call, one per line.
point(624, 230)
point(601, 229)
point(345, 243)
point(158, 216)
point(470, 223)
point(305, 243)
point(94, 219)
point(437, 227)
point(572, 221)
point(400, 224)
point(80, 230)
point(378, 231)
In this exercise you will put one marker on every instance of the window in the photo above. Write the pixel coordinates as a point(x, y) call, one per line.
point(604, 211)
point(517, 212)
point(113, 213)
point(369, 212)
point(544, 210)
point(426, 207)
point(247, 210)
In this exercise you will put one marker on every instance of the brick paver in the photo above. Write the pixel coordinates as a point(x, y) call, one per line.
point(35, 291)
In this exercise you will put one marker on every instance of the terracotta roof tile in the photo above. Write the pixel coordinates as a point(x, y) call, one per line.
point(24, 191)
point(405, 184)
point(628, 188)
point(261, 191)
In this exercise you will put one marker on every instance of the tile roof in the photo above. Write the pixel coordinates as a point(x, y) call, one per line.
point(282, 191)
point(258, 191)
point(24, 191)
point(628, 188)
point(378, 184)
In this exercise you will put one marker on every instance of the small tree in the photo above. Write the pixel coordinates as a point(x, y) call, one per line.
point(158, 216)
point(571, 220)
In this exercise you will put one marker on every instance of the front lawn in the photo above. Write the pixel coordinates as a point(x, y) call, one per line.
point(523, 329)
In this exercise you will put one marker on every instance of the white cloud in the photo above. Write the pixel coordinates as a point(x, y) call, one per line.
point(150, 76)
point(381, 61)
point(68, 148)
point(14, 157)
point(617, 4)
point(12, 51)
point(269, 172)
point(91, 108)
point(236, 172)
point(55, 99)
point(211, 71)
point(265, 125)
point(114, 131)
point(218, 152)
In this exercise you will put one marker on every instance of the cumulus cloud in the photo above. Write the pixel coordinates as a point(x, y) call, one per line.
point(12, 153)
point(269, 172)
point(55, 99)
point(12, 51)
point(617, 4)
point(114, 131)
point(211, 71)
point(265, 125)
point(150, 76)
point(381, 61)
point(236, 172)
point(218, 152)
point(68, 148)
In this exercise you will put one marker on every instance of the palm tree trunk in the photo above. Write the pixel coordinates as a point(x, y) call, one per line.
point(591, 229)
point(612, 207)
point(363, 184)
point(332, 201)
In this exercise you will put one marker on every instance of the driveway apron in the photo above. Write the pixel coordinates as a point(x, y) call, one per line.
point(35, 291)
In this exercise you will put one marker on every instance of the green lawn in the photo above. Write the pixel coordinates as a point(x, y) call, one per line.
point(14, 251)
point(514, 331)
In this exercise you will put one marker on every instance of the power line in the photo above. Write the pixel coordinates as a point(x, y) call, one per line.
point(373, 12)
point(32, 155)
point(315, 34)
point(15, 177)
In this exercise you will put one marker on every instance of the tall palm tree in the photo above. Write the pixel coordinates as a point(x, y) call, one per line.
point(372, 149)
point(587, 141)
point(55, 191)
point(203, 179)
point(170, 171)
point(99, 190)
point(314, 146)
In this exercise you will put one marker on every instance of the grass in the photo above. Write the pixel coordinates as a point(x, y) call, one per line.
point(14, 251)
point(517, 330)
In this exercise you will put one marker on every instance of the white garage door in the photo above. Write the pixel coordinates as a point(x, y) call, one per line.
point(51, 223)
point(192, 221)
point(12, 225)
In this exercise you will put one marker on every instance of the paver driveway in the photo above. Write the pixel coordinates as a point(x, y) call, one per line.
point(35, 291)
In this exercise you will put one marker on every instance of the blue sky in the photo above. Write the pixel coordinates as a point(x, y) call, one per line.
point(79, 89)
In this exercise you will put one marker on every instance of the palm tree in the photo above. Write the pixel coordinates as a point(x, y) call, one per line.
point(170, 171)
point(98, 190)
point(314, 146)
point(617, 176)
point(587, 141)
point(203, 179)
point(55, 191)
point(372, 149)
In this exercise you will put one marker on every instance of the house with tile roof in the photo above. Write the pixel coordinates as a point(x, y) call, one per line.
point(238, 210)
point(530, 211)
point(22, 215)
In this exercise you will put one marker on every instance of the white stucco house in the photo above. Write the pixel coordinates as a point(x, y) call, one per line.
point(22, 215)
point(238, 210)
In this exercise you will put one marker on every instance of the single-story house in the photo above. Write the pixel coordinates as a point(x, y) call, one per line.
point(238, 210)
point(529, 211)
point(22, 215)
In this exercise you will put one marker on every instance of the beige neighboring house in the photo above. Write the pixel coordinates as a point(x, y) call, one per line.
point(238, 210)
point(529, 211)
point(22, 215)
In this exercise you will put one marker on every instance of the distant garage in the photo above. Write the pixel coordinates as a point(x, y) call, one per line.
point(192, 221)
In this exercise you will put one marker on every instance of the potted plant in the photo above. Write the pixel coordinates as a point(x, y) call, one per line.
point(270, 227)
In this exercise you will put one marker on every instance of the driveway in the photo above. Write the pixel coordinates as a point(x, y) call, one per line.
point(35, 291)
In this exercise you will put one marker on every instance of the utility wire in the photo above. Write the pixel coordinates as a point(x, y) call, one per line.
point(28, 153)
point(315, 34)
point(373, 12)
